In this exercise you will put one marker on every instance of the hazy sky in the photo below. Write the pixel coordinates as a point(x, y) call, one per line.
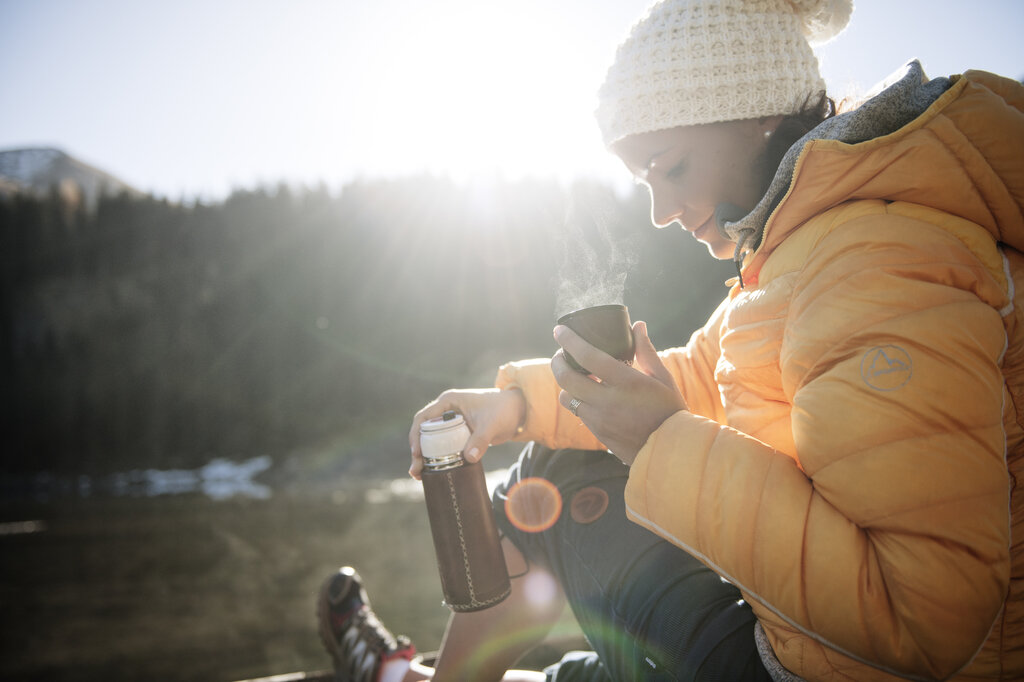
point(197, 97)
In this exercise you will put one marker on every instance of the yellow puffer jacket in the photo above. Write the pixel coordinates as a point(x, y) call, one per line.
point(855, 436)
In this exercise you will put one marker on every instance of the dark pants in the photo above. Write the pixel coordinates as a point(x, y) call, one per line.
point(649, 610)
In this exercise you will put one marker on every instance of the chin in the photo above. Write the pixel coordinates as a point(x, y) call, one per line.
point(721, 250)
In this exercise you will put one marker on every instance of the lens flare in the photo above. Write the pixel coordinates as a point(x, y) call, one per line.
point(540, 588)
point(533, 505)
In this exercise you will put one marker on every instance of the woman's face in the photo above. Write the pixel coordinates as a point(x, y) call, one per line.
point(691, 170)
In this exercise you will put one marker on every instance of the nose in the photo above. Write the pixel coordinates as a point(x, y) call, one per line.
point(666, 206)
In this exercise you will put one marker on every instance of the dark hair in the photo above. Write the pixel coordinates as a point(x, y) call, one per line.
point(816, 108)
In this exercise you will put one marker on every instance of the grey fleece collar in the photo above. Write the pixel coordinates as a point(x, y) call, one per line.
point(897, 104)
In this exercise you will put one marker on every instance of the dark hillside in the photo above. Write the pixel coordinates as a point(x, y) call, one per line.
point(150, 334)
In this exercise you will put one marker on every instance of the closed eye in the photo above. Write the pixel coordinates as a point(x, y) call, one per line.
point(676, 171)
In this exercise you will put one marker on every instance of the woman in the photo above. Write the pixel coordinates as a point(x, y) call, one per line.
point(841, 441)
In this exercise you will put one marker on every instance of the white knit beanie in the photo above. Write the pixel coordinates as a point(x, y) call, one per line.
point(688, 62)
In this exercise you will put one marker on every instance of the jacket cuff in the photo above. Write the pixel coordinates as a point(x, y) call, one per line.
point(547, 422)
point(528, 377)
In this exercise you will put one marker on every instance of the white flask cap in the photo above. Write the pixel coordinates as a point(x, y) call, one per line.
point(443, 439)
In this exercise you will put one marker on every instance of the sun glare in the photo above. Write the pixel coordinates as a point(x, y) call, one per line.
point(478, 87)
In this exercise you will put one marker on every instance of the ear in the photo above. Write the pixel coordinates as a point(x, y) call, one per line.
point(766, 125)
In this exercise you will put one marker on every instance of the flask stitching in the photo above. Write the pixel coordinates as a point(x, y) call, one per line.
point(462, 541)
point(473, 601)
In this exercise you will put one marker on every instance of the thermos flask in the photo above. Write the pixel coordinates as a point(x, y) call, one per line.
point(469, 556)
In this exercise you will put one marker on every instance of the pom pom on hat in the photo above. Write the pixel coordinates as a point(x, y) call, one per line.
point(691, 62)
point(822, 20)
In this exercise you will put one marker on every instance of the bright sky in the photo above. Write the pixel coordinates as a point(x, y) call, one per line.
point(197, 97)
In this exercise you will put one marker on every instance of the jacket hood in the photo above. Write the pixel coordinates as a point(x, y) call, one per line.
point(953, 144)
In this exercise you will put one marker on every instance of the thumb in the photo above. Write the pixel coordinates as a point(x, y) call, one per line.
point(475, 447)
point(647, 358)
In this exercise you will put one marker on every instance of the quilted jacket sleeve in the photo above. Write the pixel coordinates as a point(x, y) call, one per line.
point(693, 368)
point(891, 546)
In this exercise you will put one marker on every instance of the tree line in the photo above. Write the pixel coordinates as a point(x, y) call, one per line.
point(150, 333)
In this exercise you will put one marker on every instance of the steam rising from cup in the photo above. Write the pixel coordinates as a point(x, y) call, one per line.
point(596, 251)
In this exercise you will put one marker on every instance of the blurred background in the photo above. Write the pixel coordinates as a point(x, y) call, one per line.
point(242, 242)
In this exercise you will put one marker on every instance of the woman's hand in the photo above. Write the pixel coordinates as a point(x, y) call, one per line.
point(621, 405)
point(493, 416)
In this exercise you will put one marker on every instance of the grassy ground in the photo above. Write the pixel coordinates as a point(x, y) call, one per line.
point(185, 588)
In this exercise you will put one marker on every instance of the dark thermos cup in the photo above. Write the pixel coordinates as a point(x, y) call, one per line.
point(469, 556)
point(606, 327)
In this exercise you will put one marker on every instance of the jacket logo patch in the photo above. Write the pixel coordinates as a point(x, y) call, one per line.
point(886, 368)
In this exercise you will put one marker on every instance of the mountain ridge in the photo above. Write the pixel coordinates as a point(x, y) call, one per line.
point(37, 171)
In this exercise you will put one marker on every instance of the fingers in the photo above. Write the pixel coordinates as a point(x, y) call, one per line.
point(647, 359)
point(571, 403)
point(483, 423)
point(492, 416)
point(597, 362)
point(476, 446)
point(575, 383)
point(577, 388)
point(432, 410)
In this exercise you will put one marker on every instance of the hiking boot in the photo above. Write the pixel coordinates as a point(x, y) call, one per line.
point(357, 641)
